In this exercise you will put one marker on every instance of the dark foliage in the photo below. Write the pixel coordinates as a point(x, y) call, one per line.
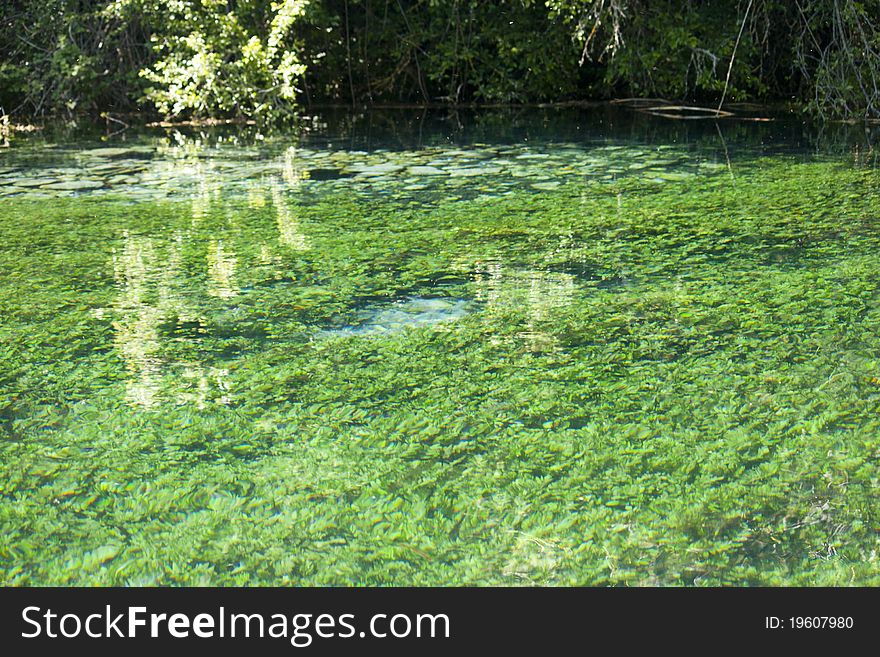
point(262, 59)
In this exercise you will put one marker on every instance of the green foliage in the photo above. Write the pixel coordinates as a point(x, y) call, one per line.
point(62, 57)
point(672, 49)
point(684, 54)
point(188, 58)
point(825, 54)
point(213, 62)
point(427, 51)
point(261, 59)
point(837, 53)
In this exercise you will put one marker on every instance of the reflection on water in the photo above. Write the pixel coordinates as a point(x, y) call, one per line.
point(540, 294)
point(488, 279)
point(157, 294)
point(151, 301)
point(203, 384)
point(546, 294)
point(141, 289)
point(291, 168)
point(207, 189)
point(289, 232)
point(221, 271)
point(192, 169)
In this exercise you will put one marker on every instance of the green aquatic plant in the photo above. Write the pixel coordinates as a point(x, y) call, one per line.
point(658, 382)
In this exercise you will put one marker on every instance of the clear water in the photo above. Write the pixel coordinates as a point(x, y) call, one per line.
point(541, 347)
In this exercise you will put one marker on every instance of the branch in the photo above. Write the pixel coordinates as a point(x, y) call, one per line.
point(733, 55)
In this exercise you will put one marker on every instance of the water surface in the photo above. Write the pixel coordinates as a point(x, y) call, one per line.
point(539, 347)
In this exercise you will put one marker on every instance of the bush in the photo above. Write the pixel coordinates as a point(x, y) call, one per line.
point(241, 63)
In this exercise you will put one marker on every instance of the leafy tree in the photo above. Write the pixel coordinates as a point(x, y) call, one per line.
point(824, 52)
point(261, 59)
point(219, 58)
point(68, 57)
point(428, 51)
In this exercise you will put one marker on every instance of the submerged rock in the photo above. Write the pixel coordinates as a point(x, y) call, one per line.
point(146, 172)
point(411, 312)
point(113, 152)
point(34, 182)
point(474, 171)
point(425, 171)
point(547, 185)
point(74, 185)
point(376, 169)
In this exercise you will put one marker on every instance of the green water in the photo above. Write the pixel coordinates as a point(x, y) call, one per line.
point(553, 348)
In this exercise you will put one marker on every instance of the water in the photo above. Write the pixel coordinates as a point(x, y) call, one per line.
point(478, 170)
point(538, 347)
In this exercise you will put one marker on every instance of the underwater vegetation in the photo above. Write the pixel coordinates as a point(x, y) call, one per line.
point(658, 369)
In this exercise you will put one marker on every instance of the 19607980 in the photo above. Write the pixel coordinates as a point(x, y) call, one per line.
point(809, 622)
